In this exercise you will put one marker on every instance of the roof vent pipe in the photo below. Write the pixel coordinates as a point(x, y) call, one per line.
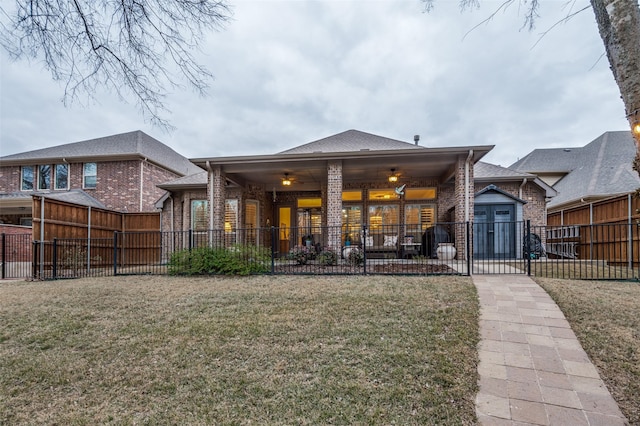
point(416, 139)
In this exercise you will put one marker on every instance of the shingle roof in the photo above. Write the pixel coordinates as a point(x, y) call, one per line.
point(548, 160)
point(601, 168)
point(482, 170)
point(136, 143)
point(351, 140)
point(76, 196)
point(195, 180)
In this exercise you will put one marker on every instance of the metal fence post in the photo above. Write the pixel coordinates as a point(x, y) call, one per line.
point(55, 259)
point(4, 257)
point(190, 239)
point(115, 253)
point(468, 250)
point(273, 249)
point(364, 249)
point(528, 246)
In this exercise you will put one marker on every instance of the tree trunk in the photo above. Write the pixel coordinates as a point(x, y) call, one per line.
point(619, 25)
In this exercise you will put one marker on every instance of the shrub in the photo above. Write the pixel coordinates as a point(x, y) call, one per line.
point(302, 254)
point(236, 260)
point(328, 257)
point(355, 256)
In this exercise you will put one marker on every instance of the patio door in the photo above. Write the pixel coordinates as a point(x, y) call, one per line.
point(494, 231)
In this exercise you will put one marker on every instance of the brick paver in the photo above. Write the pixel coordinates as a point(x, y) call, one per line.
point(532, 368)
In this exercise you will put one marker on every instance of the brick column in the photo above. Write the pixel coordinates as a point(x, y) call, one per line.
point(464, 175)
point(334, 204)
point(216, 196)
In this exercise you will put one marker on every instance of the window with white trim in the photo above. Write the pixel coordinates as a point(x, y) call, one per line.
point(27, 178)
point(62, 176)
point(44, 176)
point(89, 175)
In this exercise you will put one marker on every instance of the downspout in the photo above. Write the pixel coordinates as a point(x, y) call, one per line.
point(141, 181)
point(467, 164)
point(524, 182)
point(172, 216)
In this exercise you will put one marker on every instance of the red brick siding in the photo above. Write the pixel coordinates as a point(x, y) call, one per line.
point(17, 243)
point(117, 187)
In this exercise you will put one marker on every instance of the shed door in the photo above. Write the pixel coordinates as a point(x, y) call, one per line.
point(494, 231)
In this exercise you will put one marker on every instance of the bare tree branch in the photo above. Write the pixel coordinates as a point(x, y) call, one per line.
point(138, 49)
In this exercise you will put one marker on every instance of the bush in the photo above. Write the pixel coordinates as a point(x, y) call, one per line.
point(355, 256)
point(302, 254)
point(236, 260)
point(328, 257)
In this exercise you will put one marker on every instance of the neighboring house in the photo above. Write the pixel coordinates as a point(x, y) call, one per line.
point(118, 172)
point(601, 169)
point(343, 182)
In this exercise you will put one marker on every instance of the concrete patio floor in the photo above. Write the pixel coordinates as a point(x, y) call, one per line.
point(532, 368)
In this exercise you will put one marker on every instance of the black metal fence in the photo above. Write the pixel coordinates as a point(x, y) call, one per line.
point(579, 251)
point(15, 256)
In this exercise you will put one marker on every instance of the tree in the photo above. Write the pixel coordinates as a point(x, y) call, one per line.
point(137, 49)
point(619, 26)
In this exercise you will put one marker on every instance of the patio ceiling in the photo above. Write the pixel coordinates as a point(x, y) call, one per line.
point(309, 171)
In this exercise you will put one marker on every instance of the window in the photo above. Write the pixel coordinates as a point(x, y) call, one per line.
point(419, 217)
point(383, 216)
point(62, 176)
point(199, 215)
point(420, 194)
point(382, 194)
point(230, 215)
point(27, 178)
point(89, 175)
point(251, 221)
point(309, 202)
point(352, 195)
point(351, 224)
point(44, 177)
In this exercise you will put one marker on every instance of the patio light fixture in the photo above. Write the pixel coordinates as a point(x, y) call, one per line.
point(286, 181)
point(393, 177)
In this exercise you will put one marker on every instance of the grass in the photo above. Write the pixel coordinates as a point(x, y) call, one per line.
point(606, 318)
point(255, 350)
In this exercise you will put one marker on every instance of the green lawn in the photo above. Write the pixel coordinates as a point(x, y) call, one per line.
point(605, 316)
point(256, 350)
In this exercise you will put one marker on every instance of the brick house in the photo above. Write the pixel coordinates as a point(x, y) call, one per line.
point(599, 170)
point(344, 182)
point(118, 172)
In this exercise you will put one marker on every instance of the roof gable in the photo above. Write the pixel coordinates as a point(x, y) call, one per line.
point(495, 189)
point(351, 140)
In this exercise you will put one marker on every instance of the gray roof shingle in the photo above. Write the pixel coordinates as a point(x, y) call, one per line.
point(600, 169)
point(136, 143)
point(351, 140)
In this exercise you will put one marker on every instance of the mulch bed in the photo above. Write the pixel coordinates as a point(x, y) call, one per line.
point(386, 268)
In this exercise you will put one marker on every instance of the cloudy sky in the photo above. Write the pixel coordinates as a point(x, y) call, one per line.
point(290, 72)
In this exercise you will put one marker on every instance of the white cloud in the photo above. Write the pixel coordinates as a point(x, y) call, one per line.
point(289, 72)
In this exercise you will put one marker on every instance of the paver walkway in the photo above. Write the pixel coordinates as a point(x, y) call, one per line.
point(532, 368)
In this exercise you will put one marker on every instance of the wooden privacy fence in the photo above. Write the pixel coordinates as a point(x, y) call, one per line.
point(85, 235)
point(606, 230)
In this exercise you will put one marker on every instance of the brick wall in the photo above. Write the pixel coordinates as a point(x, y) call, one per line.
point(118, 184)
point(9, 178)
point(17, 243)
